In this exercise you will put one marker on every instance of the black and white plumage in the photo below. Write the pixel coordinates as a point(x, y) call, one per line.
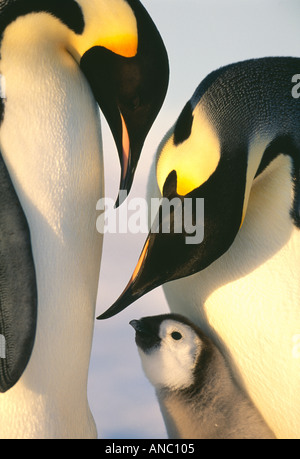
point(59, 62)
point(198, 397)
point(236, 145)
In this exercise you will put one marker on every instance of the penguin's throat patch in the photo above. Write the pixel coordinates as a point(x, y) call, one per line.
point(194, 160)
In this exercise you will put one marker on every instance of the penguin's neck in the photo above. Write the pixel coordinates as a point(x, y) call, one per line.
point(51, 142)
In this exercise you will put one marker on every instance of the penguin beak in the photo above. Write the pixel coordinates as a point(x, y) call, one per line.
point(134, 290)
point(155, 267)
point(145, 336)
point(167, 256)
point(156, 261)
point(130, 92)
point(136, 325)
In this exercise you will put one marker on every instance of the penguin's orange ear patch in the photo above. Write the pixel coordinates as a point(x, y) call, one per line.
point(124, 45)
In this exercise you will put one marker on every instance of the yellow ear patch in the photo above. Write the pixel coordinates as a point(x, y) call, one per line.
point(194, 160)
point(125, 45)
point(110, 24)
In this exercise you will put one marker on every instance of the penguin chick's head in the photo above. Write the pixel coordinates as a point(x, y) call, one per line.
point(169, 347)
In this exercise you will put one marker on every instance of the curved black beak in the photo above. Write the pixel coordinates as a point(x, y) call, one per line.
point(134, 290)
point(130, 91)
point(154, 266)
point(146, 333)
point(168, 256)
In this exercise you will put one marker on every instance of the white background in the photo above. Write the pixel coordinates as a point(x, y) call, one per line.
point(200, 36)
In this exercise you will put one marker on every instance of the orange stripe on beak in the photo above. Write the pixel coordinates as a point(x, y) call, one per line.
point(126, 148)
point(140, 262)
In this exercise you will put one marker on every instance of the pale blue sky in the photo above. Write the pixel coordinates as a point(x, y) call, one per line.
point(200, 36)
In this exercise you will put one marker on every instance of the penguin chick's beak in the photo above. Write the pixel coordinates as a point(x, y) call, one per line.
point(130, 91)
point(135, 324)
point(145, 336)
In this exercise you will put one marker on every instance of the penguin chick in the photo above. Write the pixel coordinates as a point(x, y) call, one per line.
point(198, 397)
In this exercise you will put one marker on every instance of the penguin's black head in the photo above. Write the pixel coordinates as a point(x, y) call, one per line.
point(130, 84)
point(188, 234)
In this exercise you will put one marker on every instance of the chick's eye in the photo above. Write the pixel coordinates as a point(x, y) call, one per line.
point(176, 335)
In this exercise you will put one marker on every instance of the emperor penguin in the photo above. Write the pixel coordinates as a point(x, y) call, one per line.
point(59, 62)
point(193, 383)
point(236, 148)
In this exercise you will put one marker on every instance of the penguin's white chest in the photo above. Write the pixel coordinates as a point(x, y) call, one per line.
point(51, 142)
point(50, 138)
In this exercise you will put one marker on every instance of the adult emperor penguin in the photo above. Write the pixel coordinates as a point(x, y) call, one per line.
point(195, 388)
point(58, 60)
point(236, 144)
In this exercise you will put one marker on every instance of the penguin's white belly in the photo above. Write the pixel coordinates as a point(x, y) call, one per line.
point(248, 301)
point(51, 142)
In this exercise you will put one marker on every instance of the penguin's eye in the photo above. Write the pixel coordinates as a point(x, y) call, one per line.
point(176, 335)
